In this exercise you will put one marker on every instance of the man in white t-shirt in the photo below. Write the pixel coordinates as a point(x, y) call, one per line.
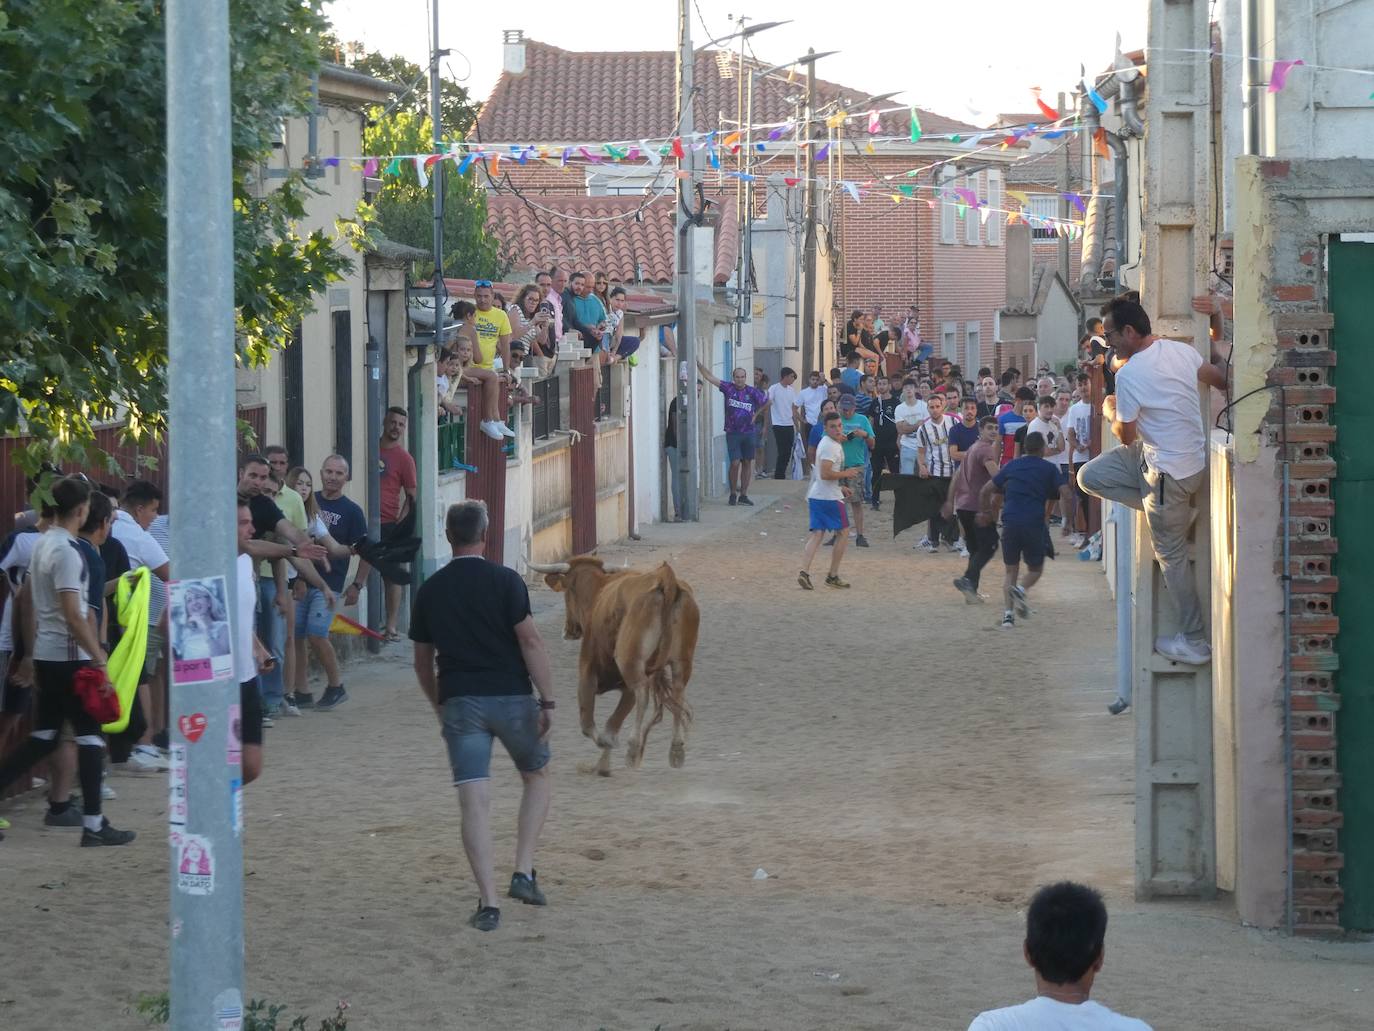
point(783, 401)
point(1078, 431)
point(138, 507)
point(1056, 450)
point(826, 501)
point(810, 400)
point(1162, 460)
point(247, 650)
point(1066, 930)
point(911, 414)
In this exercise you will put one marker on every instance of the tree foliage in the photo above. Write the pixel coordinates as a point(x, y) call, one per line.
point(83, 239)
point(404, 211)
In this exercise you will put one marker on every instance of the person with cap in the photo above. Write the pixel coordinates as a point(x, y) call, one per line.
point(858, 442)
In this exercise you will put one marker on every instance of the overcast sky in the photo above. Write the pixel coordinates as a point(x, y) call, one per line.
point(967, 61)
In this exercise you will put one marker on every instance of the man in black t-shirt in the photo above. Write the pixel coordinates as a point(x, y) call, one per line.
point(473, 617)
point(883, 415)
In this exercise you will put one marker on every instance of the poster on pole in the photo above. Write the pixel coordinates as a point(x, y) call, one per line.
point(202, 644)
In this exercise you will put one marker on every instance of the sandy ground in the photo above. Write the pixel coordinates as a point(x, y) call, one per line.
point(905, 772)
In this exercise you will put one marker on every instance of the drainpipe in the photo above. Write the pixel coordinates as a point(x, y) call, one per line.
point(1092, 241)
point(1130, 108)
point(1120, 193)
point(1287, 667)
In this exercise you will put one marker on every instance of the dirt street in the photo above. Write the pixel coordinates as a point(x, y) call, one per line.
point(905, 772)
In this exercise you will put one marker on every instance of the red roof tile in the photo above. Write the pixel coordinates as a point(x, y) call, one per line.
point(585, 232)
point(568, 96)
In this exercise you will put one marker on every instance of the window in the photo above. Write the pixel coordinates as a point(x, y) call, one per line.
point(947, 203)
point(971, 218)
point(1046, 205)
point(995, 215)
point(343, 384)
point(973, 349)
point(949, 340)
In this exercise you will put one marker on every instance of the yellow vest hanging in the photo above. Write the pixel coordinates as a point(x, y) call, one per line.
point(125, 666)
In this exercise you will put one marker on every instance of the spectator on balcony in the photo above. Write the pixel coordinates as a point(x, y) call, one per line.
point(467, 373)
point(552, 283)
point(859, 341)
point(492, 328)
point(583, 312)
point(620, 346)
point(601, 289)
point(529, 325)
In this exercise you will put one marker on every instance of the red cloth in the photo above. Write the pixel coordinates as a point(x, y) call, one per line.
point(100, 703)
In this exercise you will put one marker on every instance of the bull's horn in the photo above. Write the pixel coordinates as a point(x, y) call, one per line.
point(556, 567)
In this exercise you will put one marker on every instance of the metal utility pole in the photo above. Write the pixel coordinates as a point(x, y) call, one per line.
point(376, 591)
point(436, 122)
point(206, 851)
point(809, 356)
point(687, 442)
point(1063, 243)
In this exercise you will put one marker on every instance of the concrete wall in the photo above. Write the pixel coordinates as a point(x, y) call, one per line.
point(646, 419)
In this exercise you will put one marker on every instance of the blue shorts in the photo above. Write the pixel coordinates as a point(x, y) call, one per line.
point(1024, 542)
point(827, 515)
point(472, 721)
point(313, 616)
point(739, 447)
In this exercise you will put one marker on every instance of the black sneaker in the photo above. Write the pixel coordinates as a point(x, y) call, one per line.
point(1018, 597)
point(744, 500)
point(487, 918)
point(734, 498)
point(68, 817)
point(107, 835)
point(333, 697)
point(303, 700)
point(965, 587)
point(860, 541)
point(526, 889)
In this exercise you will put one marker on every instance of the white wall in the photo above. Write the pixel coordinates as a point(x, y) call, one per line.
point(646, 421)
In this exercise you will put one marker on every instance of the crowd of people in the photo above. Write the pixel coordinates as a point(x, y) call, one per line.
point(304, 556)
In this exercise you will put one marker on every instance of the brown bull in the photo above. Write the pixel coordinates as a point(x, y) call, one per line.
point(638, 633)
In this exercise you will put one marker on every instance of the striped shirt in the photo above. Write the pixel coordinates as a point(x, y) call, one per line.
point(932, 441)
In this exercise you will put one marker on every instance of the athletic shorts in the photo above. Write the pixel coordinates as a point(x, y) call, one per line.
point(1063, 478)
point(313, 614)
point(14, 700)
point(739, 447)
point(471, 722)
point(157, 644)
point(1024, 543)
point(827, 514)
point(250, 712)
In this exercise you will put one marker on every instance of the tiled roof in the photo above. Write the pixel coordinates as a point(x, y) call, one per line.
point(584, 232)
point(570, 96)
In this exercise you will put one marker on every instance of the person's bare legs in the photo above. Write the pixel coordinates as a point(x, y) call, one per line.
point(746, 470)
point(329, 660)
point(1008, 584)
point(491, 392)
point(841, 543)
point(813, 544)
point(289, 654)
point(393, 606)
point(735, 476)
point(856, 503)
point(145, 703)
point(61, 772)
point(474, 799)
point(534, 807)
point(1032, 576)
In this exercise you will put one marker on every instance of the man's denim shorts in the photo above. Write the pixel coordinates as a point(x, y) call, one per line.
point(472, 721)
point(313, 615)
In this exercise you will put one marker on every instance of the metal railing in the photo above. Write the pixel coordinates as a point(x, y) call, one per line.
point(452, 444)
point(547, 415)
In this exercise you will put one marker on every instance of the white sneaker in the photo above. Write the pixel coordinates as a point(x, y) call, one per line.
point(961, 549)
point(925, 544)
point(1180, 649)
point(287, 709)
point(147, 759)
point(493, 429)
point(506, 431)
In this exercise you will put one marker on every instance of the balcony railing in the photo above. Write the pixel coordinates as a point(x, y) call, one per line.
point(452, 444)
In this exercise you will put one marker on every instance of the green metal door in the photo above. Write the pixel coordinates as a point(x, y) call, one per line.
point(1351, 283)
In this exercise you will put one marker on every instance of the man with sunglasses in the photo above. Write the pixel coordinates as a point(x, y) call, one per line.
point(1161, 462)
point(492, 326)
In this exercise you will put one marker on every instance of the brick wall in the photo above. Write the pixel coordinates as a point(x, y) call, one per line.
point(1301, 414)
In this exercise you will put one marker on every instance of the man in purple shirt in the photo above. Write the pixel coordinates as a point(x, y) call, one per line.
point(744, 407)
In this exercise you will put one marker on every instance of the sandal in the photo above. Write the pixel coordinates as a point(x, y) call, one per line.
point(391, 637)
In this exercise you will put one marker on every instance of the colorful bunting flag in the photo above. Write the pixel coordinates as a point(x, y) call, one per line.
point(394, 168)
point(852, 189)
point(1019, 195)
point(370, 168)
point(420, 172)
point(1096, 98)
point(907, 191)
point(915, 126)
point(466, 163)
point(677, 150)
point(984, 215)
point(781, 131)
point(869, 148)
point(1046, 110)
point(1278, 75)
point(821, 154)
point(654, 158)
point(1077, 202)
point(962, 209)
point(567, 153)
point(714, 158)
point(731, 142)
point(790, 180)
point(875, 122)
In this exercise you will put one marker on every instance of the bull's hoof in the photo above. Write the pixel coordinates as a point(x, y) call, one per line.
point(606, 740)
point(603, 765)
point(632, 755)
point(677, 755)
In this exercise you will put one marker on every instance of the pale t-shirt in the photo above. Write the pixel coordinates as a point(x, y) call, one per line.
point(1045, 1014)
point(1054, 437)
point(1158, 391)
point(917, 414)
point(1080, 418)
point(780, 400)
point(245, 604)
point(826, 490)
point(811, 400)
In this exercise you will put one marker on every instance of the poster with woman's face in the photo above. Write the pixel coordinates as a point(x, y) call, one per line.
point(202, 642)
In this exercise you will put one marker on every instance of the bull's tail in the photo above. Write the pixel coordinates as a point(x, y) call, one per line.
point(661, 671)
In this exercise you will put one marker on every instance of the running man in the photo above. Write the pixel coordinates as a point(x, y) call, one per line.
point(825, 498)
point(1027, 484)
point(978, 467)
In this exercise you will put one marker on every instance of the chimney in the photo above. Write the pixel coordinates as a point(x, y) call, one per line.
point(513, 58)
point(1018, 266)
